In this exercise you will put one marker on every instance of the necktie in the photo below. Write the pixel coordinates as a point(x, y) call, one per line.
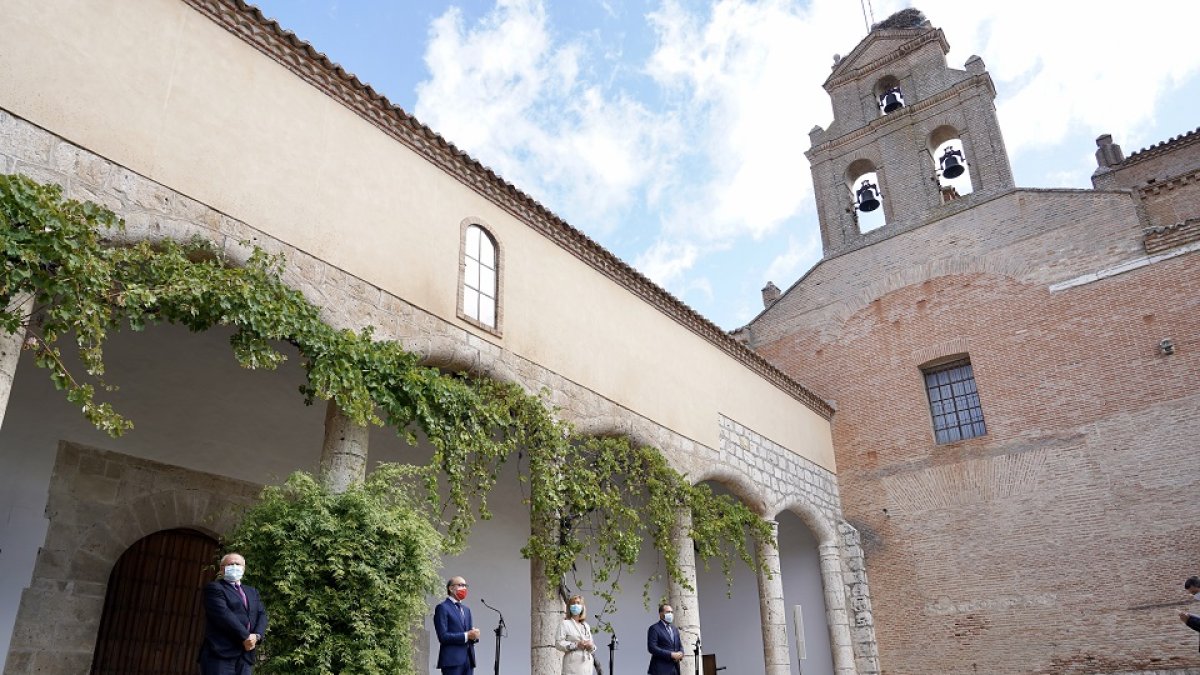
point(245, 602)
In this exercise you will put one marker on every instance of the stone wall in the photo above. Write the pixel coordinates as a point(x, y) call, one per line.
point(152, 212)
point(100, 504)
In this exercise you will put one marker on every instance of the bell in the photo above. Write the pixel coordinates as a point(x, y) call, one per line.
point(868, 197)
point(952, 163)
point(891, 100)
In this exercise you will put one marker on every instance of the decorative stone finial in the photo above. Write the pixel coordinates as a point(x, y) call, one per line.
point(770, 293)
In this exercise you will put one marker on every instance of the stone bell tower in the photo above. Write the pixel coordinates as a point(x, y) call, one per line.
point(904, 125)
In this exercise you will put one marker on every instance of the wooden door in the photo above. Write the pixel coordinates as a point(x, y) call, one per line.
point(153, 617)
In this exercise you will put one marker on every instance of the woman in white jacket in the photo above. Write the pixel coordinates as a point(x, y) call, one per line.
point(574, 639)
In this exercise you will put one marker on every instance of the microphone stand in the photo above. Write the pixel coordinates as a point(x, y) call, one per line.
point(612, 647)
point(501, 631)
point(695, 649)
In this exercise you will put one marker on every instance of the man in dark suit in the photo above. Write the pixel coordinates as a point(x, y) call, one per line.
point(234, 622)
point(662, 640)
point(1192, 586)
point(456, 632)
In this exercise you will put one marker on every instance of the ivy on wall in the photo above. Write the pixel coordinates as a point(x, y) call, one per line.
point(591, 499)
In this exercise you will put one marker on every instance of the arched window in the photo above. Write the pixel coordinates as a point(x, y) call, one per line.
point(866, 195)
point(950, 165)
point(480, 281)
point(153, 617)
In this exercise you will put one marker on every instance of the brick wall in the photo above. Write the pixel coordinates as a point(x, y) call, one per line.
point(1027, 550)
point(1057, 542)
point(1154, 164)
point(1171, 201)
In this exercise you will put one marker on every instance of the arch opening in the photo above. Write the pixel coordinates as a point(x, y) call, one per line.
point(866, 196)
point(888, 95)
point(730, 618)
point(951, 169)
point(153, 618)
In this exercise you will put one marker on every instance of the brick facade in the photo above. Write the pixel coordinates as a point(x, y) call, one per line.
point(1058, 541)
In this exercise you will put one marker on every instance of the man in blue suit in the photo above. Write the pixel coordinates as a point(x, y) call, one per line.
point(456, 632)
point(662, 640)
point(234, 622)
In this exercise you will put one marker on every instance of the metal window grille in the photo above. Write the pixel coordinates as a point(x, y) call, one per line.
point(954, 402)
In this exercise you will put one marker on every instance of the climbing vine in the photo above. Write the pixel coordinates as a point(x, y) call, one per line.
point(591, 499)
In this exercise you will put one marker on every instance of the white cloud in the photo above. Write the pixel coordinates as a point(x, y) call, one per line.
point(665, 262)
point(1063, 66)
point(802, 252)
point(706, 149)
point(514, 96)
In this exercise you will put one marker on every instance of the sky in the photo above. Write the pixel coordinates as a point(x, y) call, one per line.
point(673, 131)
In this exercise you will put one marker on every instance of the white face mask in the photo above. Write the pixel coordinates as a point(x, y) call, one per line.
point(669, 617)
point(233, 573)
point(1196, 596)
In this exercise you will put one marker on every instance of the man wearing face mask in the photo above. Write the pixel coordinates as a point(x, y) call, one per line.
point(1192, 586)
point(664, 644)
point(234, 622)
point(456, 632)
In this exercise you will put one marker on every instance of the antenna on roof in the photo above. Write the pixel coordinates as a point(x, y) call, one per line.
point(867, 10)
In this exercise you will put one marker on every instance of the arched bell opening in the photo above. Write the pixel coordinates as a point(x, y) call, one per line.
point(951, 169)
point(888, 95)
point(866, 196)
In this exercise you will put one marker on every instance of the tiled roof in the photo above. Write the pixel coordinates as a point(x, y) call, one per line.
point(1159, 148)
point(251, 25)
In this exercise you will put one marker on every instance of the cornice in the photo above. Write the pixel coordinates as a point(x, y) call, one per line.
point(899, 118)
point(1159, 187)
point(1162, 148)
point(248, 23)
point(930, 35)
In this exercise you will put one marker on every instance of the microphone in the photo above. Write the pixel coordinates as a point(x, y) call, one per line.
point(500, 629)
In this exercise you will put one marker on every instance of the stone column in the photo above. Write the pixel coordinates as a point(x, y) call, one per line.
point(684, 596)
point(545, 613)
point(772, 607)
point(10, 353)
point(840, 640)
point(344, 455)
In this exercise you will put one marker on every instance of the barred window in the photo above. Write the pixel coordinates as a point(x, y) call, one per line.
point(479, 287)
point(954, 401)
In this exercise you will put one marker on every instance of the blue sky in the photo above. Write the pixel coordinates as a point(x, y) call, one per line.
point(673, 131)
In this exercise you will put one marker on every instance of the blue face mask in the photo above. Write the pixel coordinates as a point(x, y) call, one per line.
point(575, 609)
point(233, 573)
point(669, 617)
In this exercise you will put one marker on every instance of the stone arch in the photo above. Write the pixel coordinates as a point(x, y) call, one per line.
point(916, 274)
point(106, 540)
point(737, 483)
point(861, 174)
point(838, 611)
point(941, 144)
point(100, 504)
point(882, 86)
